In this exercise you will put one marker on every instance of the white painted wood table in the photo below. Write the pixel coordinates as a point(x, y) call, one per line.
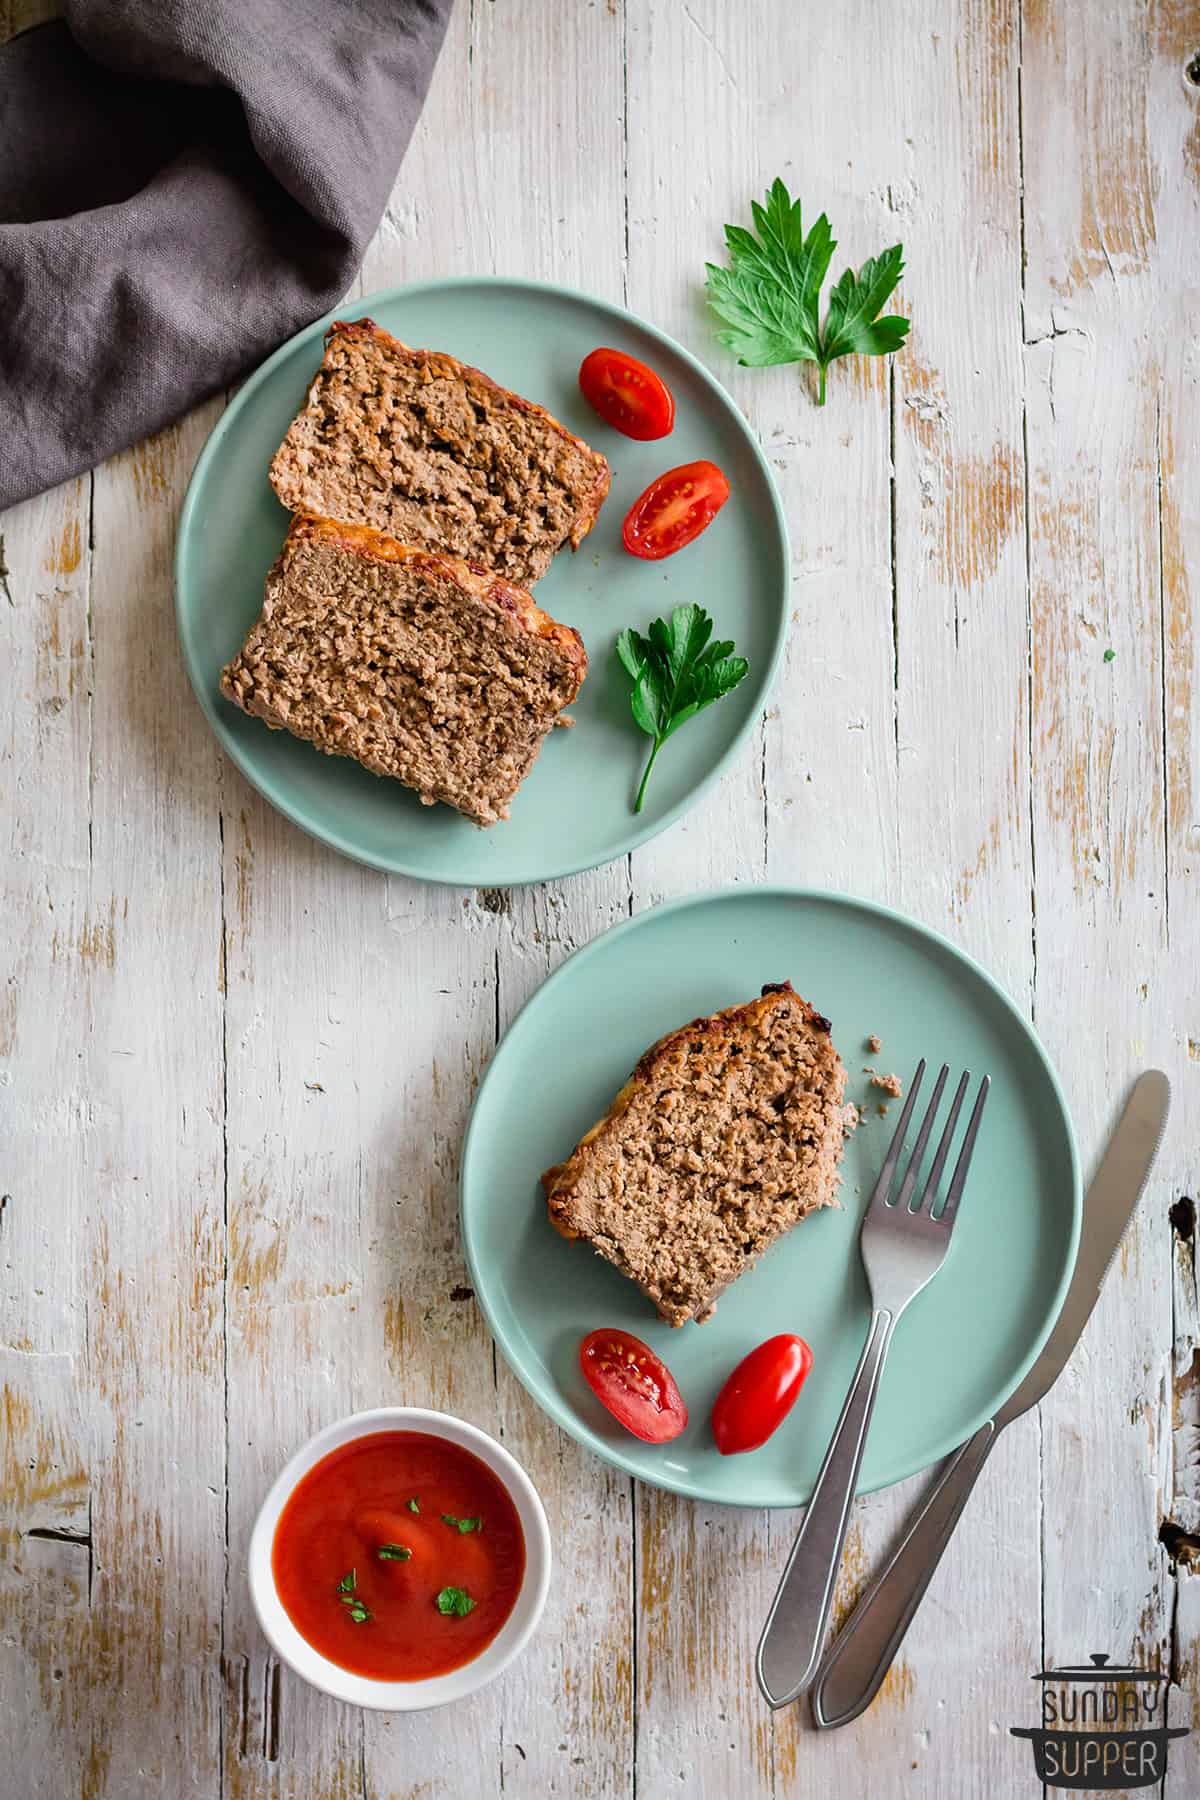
point(236, 1069)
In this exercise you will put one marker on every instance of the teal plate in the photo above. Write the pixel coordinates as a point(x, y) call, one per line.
point(965, 1342)
point(576, 809)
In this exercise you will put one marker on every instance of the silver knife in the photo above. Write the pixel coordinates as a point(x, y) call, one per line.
point(862, 1653)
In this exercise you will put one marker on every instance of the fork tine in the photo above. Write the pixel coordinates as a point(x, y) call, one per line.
point(959, 1179)
point(879, 1192)
point(914, 1161)
point(929, 1191)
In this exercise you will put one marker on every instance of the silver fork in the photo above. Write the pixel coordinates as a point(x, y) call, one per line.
point(902, 1247)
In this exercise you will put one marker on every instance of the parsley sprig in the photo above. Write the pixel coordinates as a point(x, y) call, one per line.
point(462, 1526)
point(394, 1553)
point(676, 672)
point(769, 296)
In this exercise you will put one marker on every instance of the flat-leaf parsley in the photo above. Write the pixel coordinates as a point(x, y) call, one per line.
point(455, 1601)
point(359, 1615)
point(676, 672)
point(769, 297)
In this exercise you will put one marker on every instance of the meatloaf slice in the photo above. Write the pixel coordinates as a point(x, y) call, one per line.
point(419, 666)
point(726, 1134)
point(435, 453)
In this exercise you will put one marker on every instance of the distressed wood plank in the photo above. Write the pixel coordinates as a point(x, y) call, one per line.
point(1173, 123)
point(1106, 205)
point(45, 1460)
point(99, 1415)
point(151, 1038)
point(1180, 1532)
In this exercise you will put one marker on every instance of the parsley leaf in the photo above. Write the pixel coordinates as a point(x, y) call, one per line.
point(349, 1599)
point(1110, 656)
point(393, 1553)
point(413, 1507)
point(456, 1601)
point(768, 299)
point(676, 672)
point(462, 1525)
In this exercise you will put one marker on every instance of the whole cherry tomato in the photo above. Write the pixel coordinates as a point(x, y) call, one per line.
point(760, 1393)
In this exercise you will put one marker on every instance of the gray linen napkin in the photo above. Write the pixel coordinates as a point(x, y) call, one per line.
point(183, 184)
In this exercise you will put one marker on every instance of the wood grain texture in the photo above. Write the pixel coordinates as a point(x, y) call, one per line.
point(1173, 123)
point(234, 1071)
point(45, 1448)
point(1100, 194)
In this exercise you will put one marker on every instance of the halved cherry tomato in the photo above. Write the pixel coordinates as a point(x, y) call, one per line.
point(627, 394)
point(760, 1393)
point(635, 1385)
point(674, 510)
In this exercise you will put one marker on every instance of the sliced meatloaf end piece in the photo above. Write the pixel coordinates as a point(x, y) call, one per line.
point(435, 453)
point(727, 1133)
point(420, 666)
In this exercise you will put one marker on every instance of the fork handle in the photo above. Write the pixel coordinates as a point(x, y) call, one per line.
point(790, 1646)
point(863, 1651)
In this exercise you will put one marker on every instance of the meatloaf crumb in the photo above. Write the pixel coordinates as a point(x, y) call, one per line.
point(727, 1133)
point(874, 1043)
point(888, 1084)
point(419, 666)
point(435, 453)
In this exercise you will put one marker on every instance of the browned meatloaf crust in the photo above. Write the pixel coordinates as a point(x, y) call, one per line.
point(419, 666)
point(435, 453)
point(726, 1134)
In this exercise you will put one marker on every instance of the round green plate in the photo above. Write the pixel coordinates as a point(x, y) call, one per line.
point(964, 1343)
point(576, 809)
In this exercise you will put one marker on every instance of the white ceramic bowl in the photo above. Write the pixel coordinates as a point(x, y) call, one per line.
point(437, 1690)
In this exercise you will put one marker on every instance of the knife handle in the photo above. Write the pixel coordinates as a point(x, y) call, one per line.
point(854, 1667)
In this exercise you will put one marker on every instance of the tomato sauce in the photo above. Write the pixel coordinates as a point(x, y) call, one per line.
point(380, 1615)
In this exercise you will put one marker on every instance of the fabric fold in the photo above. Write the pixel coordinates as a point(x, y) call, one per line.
point(184, 184)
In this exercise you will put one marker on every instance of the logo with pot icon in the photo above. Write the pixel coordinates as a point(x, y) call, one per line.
point(1101, 1727)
